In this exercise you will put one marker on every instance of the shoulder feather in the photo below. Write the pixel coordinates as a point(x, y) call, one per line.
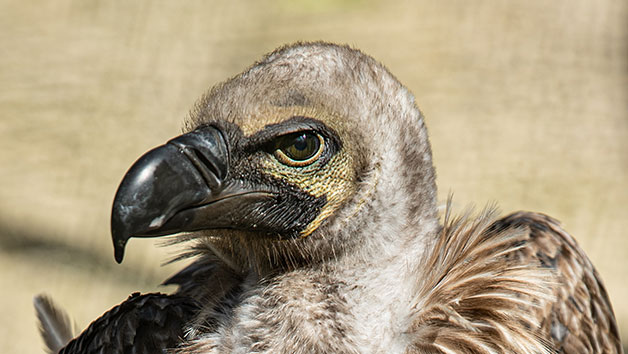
point(519, 284)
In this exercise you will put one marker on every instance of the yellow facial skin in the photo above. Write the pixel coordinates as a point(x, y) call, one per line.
point(335, 180)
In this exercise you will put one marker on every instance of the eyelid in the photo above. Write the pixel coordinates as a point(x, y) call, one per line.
point(274, 131)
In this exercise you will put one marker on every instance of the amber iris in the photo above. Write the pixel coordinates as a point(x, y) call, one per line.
point(299, 149)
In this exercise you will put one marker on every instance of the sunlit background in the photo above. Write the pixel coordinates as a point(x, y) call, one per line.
point(526, 103)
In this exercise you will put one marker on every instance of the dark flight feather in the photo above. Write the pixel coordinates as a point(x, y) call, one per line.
point(54, 324)
point(143, 324)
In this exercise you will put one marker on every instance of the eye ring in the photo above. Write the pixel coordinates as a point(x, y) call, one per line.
point(299, 149)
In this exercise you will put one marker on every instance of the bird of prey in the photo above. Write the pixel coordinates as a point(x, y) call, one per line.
point(305, 189)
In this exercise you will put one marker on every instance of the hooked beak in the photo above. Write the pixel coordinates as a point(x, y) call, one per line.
point(180, 186)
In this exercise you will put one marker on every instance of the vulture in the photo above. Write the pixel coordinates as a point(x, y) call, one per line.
point(305, 192)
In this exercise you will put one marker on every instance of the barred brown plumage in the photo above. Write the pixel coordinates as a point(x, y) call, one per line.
point(340, 249)
point(509, 286)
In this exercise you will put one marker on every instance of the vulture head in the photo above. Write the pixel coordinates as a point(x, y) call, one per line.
point(304, 157)
point(307, 183)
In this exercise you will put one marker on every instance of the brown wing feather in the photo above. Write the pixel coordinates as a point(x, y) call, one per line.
point(519, 284)
point(580, 319)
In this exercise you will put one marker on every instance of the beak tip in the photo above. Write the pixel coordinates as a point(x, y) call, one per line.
point(119, 233)
point(119, 250)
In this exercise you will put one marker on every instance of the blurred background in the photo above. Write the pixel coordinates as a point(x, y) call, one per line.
point(526, 103)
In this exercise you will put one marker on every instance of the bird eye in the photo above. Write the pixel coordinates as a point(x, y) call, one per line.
point(299, 149)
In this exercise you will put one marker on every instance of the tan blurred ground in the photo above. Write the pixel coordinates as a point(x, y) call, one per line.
point(526, 101)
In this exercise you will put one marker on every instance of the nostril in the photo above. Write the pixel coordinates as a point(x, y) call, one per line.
point(210, 165)
point(206, 149)
point(207, 168)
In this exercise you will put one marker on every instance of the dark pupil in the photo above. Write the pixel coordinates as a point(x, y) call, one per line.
point(300, 143)
point(299, 146)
